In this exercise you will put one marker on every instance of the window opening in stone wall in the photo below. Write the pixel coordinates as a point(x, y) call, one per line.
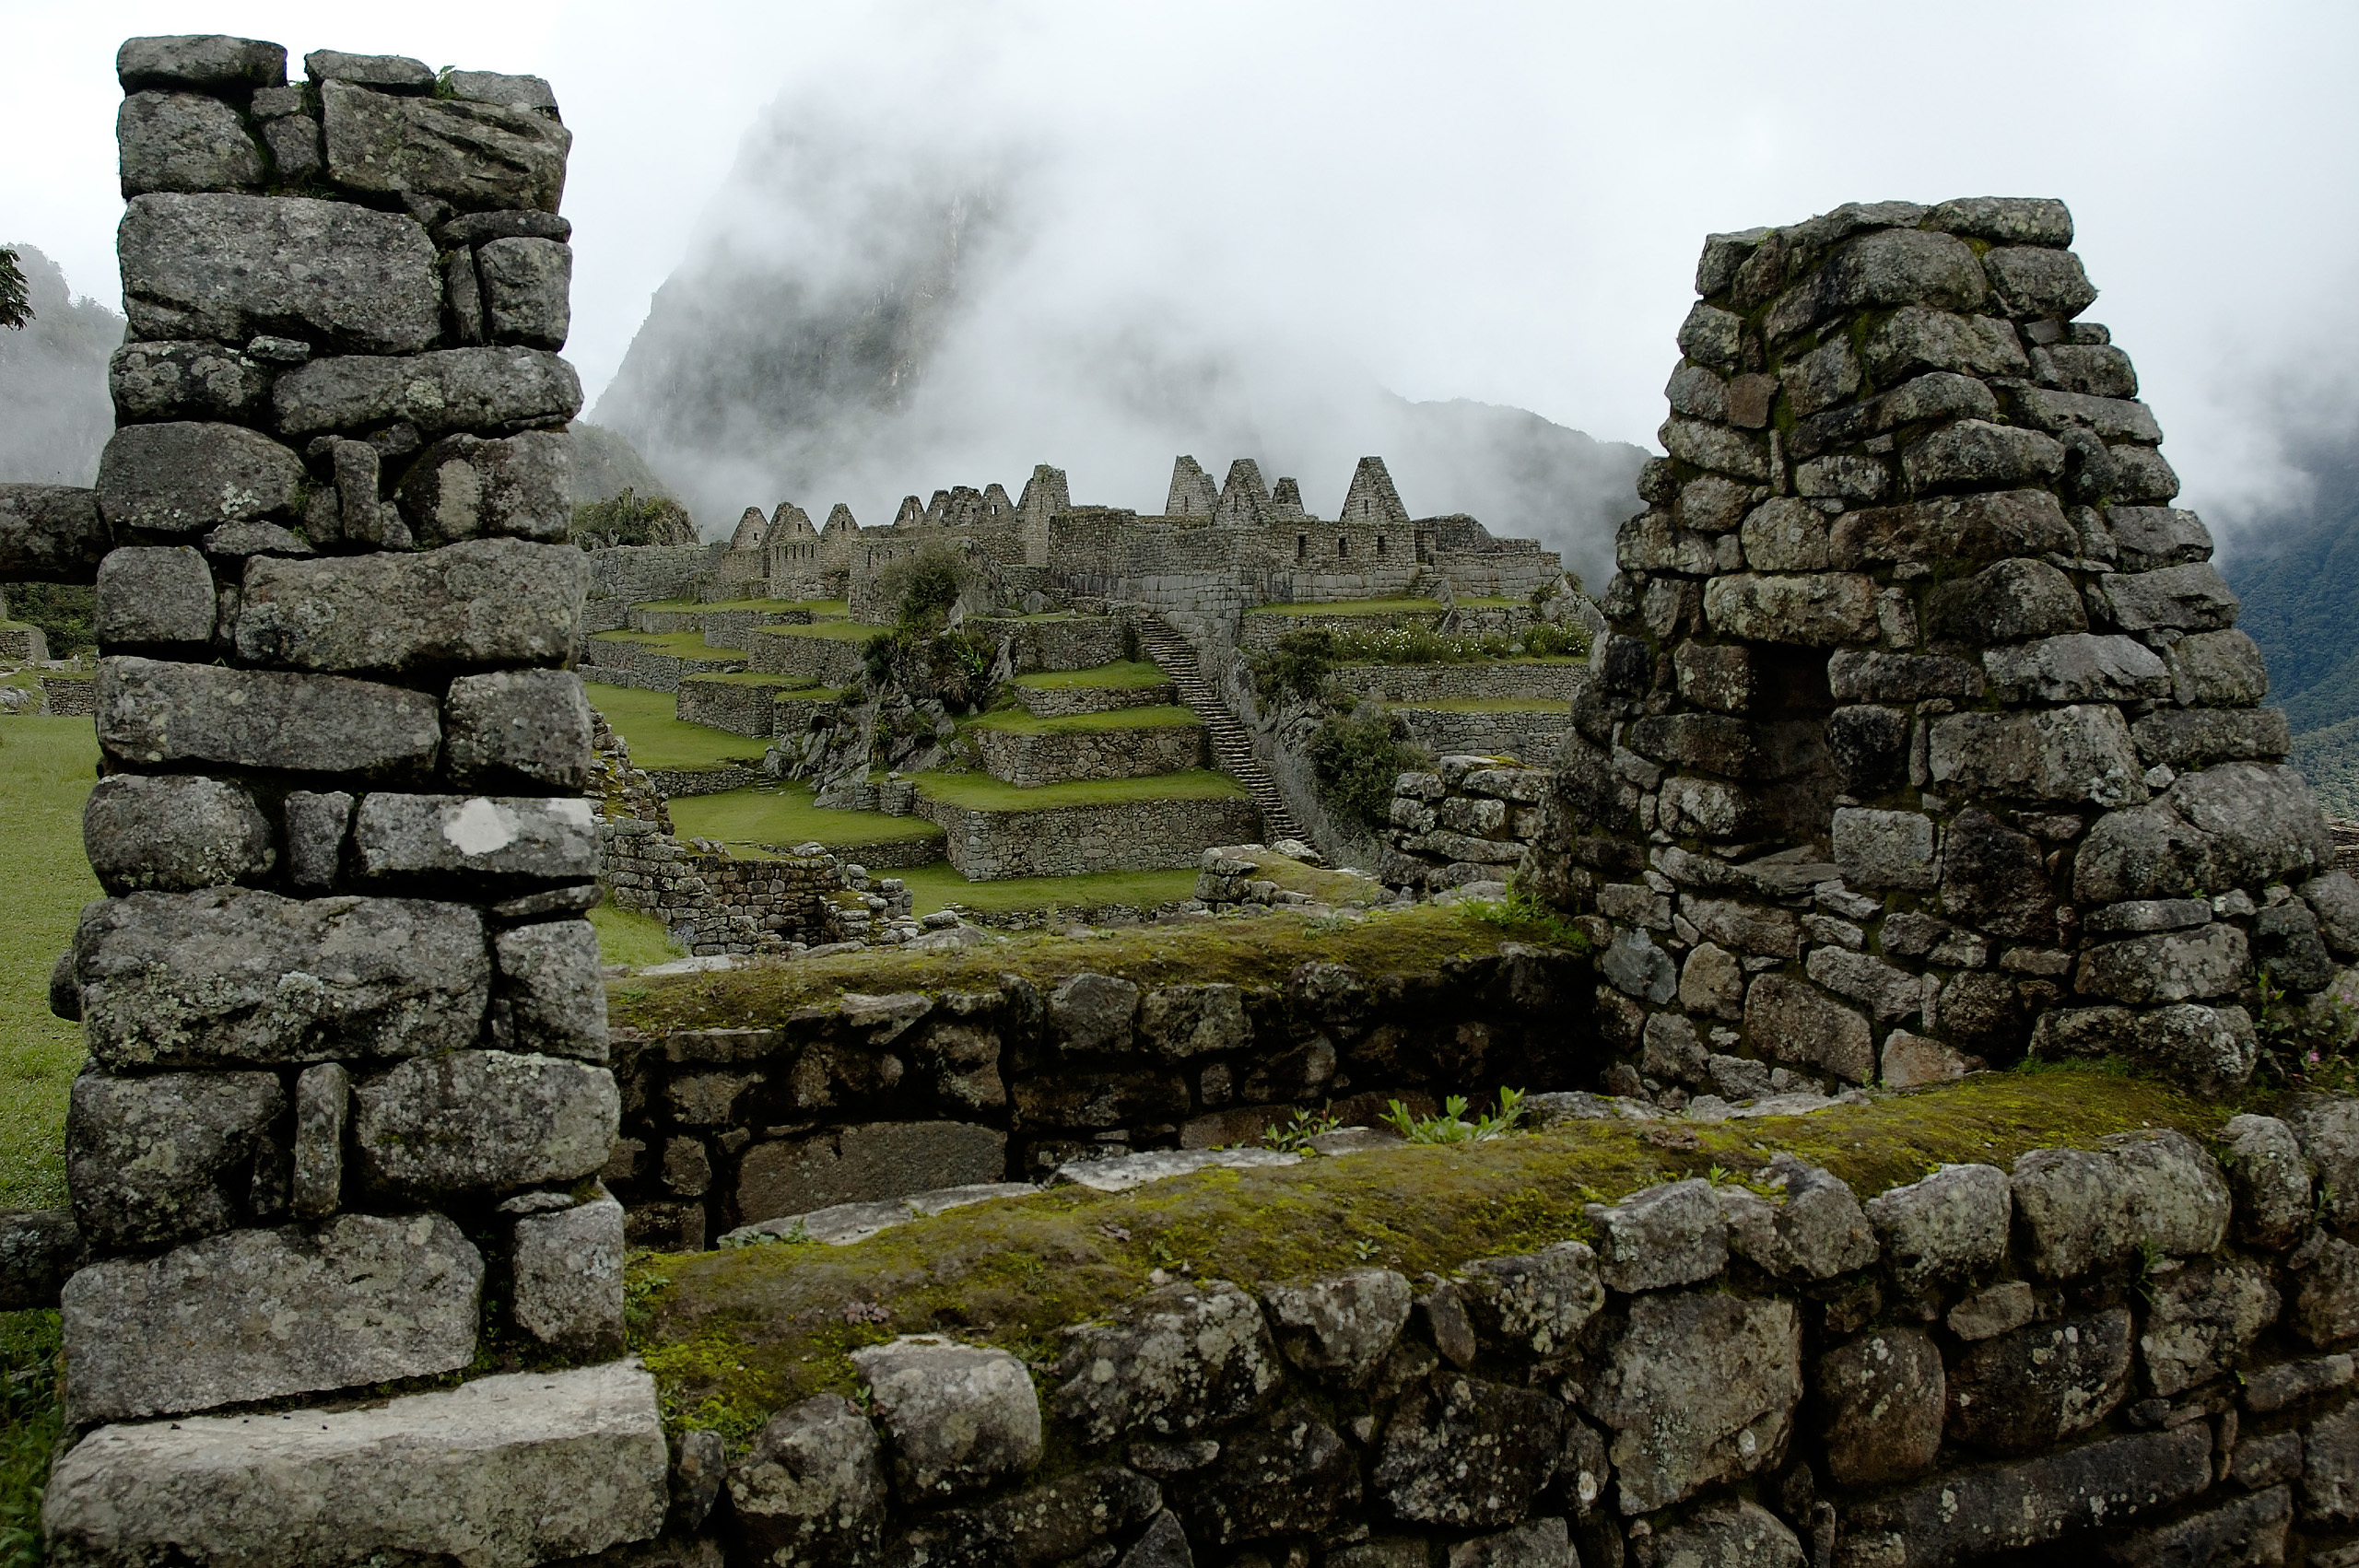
point(1302, 546)
point(1342, 548)
point(1379, 546)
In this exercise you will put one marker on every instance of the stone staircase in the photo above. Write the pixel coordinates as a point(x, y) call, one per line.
point(1232, 747)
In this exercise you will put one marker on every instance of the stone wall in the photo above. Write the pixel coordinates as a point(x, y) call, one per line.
point(347, 1090)
point(68, 697)
point(1457, 683)
point(2119, 1354)
point(1470, 819)
point(718, 780)
point(867, 1098)
point(21, 643)
point(639, 574)
point(1127, 835)
point(718, 903)
point(829, 660)
point(1029, 757)
point(1084, 642)
point(1529, 734)
point(1924, 735)
point(618, 661)
point(737, 705)
point(1065, 702)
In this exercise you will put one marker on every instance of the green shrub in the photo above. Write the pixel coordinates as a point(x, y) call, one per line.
point(627, 519)
point(923, 585)
point(62, 612)
point(1298, 666)
point(1356, 761)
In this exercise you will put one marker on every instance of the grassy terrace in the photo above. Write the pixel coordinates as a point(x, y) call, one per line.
point(625, 936)
point(978, 792)
point(734, 1336)
point(782, 816)
point(939, 886)
point(840, 631)
point(644, 719)
point(1490, 705)
point(748, 678)
point(815, 607)
point(681, 645)
point(1124, 676)
point(47, 767)
point(1018, 723)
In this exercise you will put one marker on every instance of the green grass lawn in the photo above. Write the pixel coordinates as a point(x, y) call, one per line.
point(836, 631)
point(680, 645)
point(625, 936)
point(978, 791)
point(657, 739)
point(46, 770)
point(1126, 675)
point(1491, 705)
point(935, 887)
point(1018, 723)
point(783, 815)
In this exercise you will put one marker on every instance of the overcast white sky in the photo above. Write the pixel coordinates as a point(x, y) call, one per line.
point(1495, 201)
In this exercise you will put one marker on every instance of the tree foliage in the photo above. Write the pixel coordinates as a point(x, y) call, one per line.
point(16, 305)
point(923, 585)
point(627, 519)
point(1356, 760)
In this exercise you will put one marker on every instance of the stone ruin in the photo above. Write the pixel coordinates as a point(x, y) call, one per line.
point(1924, 734)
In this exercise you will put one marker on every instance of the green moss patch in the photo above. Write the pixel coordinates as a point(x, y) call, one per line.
point(1259, 952)
point(938, 886)
point(1019, 722)
point(625, 936)
point(732, 1336)
point(976, 793)
point(780, 816)
point(658, 739)
point(1124, 675)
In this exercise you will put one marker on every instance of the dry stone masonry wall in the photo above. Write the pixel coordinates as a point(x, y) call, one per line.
point(1925, 735)
point(348, 1096)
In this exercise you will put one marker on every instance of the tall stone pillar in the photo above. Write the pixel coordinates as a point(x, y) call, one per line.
point(347, 1099)
point(1924, 734)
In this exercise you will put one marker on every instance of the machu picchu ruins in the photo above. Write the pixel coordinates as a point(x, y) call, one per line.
point(1041, 1035)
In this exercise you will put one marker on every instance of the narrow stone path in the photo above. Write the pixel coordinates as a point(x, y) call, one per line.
point(1232, 747)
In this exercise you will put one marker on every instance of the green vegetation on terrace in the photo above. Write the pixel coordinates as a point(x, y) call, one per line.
point(939, 886)
point(625, 936)
point(659, 740)
point(838, 631)
point(1127, 676)
point(30, 1425)
point(680, 645)
point(1018, 723)
point(782, 815)
point(680, 606)
point(734, 1336)
point(976, 792)
point(1259, 951)
point(1489, 704)
point(1366, 607)
point(813, 693)
point(746, 678)
point(47, 767)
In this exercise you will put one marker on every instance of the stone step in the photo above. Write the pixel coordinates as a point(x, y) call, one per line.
point(1232, 747)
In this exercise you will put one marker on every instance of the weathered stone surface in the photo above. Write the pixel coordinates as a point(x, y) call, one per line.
point(1870, 745)
point(152, 595)
point(173, 1155)
point(1634, 963)
point(185, 477)
point(2263, 821)
point(1880, 848)
point(2333, 898)
point(1536, 1300)
point(484, 601)
point(2007, 600)
point(1886, 267)
point(1712, 982)
point(1886, 992)
point(2218, 669)
point(229, 977)
point(1710, 335)
point(150, 711)
point(811, 1491)
point(478, 157)
point(556, 995)
point(1911, 1061)
point(518, 724)
point(502, 1472)
point(395, 73)
point(1790, 1020)
point(2330, 1491)
point(2245, 1532)
point(323, 1108)
point(510, 836)
point(2026, 1390)
point(2185, 598)
point(1468, 1453)
point(1914, 338)
point(1949, 1225)
point(1669, 1234)
point(1818, 1231)
point(2208, 961)
point(1290, 1475)
point(1179, 1022)
point(2085, 1209)
point(958, 1418)
point(213, 61)
point(2266, 1178)
point(254, 1315)
point(2328, 1128)
point(39, 1250)
point(2207, 1048)
point(2083, 752)
point(1182, 1357)
point(1542, 1543)
point(1747, 928)
point(1341, 1327)
point(173, 833)
point(1701, 1388)
point(1784, 536)
point(2324, 1308)
point(2150, 538)
point(180, 141)
point(2203, 1317)
point(527, 287)
point(451, 389)
point(231, 267)
point(1881, 1400)
point(1058, 1521)
point(464, 487)
point(1093, 1013)
point(50, 534)
point(317, 822)
point(1822, 610)
point(1715, 447)
point(2193, 738)
point(192, 379)
point(2034, 280)
point(1977, 455)
point(568, 1280)
point(866, 1163)
point(473, 1121)
point(1730, 1535)
point(1962, 1517)
point(2078, 667)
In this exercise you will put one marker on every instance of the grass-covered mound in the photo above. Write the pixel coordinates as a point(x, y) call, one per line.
point(979, 793)
point(658, 739)
point(1124, 675)
point(1016, 721)
point(680, 645)
point(1261, 952)
point(782, 816)
point(734, 1336)
point(939, 886)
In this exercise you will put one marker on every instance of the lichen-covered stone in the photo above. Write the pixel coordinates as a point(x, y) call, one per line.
point(567, 1279)
point(1700, 1388)
point(182, 141)
point(1818, 1231)
point(1731, 1535)
point(152, 711)
point(1179, 1022)
point(2209, 1049)
point(1468, 1453)
point(1093, 1013)
point(173, 1155)
point(173, 833)
point(464, 487)
point(447, 390)
point(1881, 1400)
point(1535, 1302)
point(2203, 1317)
point(1291, 1476)
point(1792, 1021)
point(50, 534)
point(551, 839)
point(958, 1418)
point(529, 725)
point(864, 1163)
point(1180, 1358)
point(2240, 1530)
point(2026, 1390)
point(2324, 1308)
point(2080, 753)
point(2082, 1209)
point(211, 62)
point(2267, 1179)
point(1669, 1234)
point(483, 602)
point(188, 476)
point(478, 157)
point(322, 1108)
point(812, 1489)
point(255, 1315)
point(1949, 1225)
point(1343, 1325)
point(526, 284)
point(475, 1122)
point(153, 594)
point(551, 976)
point(229, 976)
